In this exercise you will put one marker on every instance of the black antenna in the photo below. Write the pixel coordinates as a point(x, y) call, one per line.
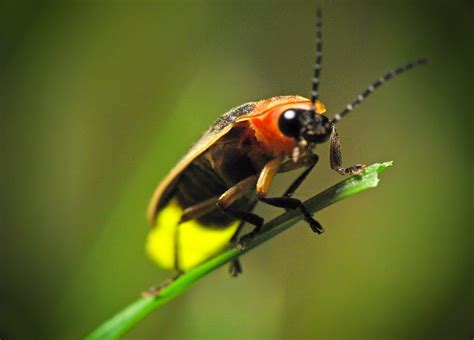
point(319, 57)
point(360, 98)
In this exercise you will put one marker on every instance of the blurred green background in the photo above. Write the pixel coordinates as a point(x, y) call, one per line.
point(100, 99)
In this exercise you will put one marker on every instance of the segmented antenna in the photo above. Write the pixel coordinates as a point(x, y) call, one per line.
point(319, 57)
point(360, 98)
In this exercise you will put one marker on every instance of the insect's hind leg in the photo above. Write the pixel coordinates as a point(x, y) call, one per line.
point(249, 218)
point(176, 251)
point(154, 291)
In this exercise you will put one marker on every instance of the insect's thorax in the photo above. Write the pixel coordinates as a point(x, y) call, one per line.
point(237, 155)
point(269, 138)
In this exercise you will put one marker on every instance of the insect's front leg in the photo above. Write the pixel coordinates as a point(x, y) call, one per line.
point(335, 154)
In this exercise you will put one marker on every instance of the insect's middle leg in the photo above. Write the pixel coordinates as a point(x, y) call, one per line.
point(235, 268)
point(224, 202)
point(233, 194)
point(263, 186)
point(286, 201)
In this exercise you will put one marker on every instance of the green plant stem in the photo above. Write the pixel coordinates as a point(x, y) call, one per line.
point(131, 315)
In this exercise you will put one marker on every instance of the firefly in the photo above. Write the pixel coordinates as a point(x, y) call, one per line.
point(203, 203)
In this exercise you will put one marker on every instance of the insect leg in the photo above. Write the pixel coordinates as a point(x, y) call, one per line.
point(267, 174)
point(235, 268)
point(155, 290)
point(289, 165)
point(233, 194)
point(263, 185)
point(223, 202)
point(335, 154)
point(192, 212)
point(176, 251)
point(293, 204)
point(200, 209)
point(309, 161)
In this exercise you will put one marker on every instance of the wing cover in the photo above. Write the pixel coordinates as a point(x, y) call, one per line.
point(221, 127)
point(196, 241)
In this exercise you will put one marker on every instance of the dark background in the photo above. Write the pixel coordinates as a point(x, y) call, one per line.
point(100, 99)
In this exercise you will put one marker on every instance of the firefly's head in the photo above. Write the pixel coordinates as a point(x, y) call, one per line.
point(305, 126)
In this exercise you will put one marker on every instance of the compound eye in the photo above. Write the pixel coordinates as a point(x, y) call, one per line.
point(289, 123)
